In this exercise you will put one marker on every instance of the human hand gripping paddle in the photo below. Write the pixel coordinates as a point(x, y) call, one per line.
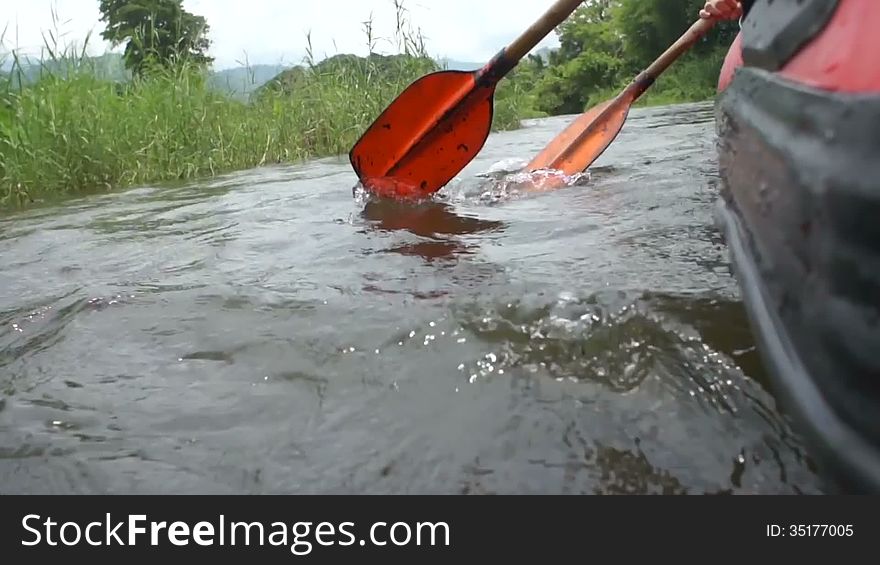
point(435, 127)
point(587, 137)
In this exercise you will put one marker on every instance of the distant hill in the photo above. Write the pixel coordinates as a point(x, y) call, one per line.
point(238, 81)
point(107, 67)
point(544, 53)
point(290, 79)
point(453, 65)
point(241, 81)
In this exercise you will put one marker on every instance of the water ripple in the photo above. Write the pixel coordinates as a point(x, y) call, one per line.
point(267, 332)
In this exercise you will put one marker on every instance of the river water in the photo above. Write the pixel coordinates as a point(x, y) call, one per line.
point(270, 332)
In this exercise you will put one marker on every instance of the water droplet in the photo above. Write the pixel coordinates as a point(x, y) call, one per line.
point(461, 367)
point(461, 340)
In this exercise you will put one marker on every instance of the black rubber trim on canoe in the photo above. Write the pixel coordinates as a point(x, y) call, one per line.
point(801, 172)
point(851, 461)
point(776, 29)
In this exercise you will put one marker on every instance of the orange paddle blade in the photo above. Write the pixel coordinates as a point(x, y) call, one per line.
point(426, 136)
point(585, 139)
point(441, 121)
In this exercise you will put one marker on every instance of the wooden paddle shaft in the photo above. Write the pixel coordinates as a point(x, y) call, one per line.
point(557, 14)
point(685, 42)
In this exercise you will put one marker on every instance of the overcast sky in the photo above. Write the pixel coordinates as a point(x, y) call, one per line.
point(273, 31)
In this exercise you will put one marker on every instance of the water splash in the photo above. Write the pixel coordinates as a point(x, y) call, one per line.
point(521, 184)
point(506, 180)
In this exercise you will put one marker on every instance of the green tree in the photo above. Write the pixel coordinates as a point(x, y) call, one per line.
point(156, 32)
point(649, 27)
point(606, 43)
point(590, 56)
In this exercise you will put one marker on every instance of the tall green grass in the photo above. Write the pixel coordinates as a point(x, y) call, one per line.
point(72, 132)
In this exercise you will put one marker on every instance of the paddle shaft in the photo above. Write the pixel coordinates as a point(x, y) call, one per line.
point(554, 16)
point(647, 77)
point(508, 58)
point(685, 42)
point(609, 121)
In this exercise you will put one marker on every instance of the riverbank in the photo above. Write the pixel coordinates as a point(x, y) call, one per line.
point(690, 79)
point(73, 132)
point(78, 134)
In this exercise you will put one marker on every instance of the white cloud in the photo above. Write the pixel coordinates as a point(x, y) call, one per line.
point(273, 31)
